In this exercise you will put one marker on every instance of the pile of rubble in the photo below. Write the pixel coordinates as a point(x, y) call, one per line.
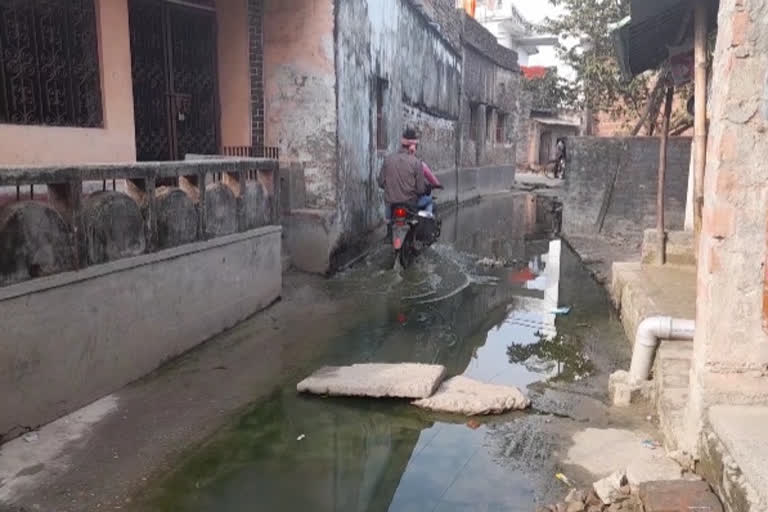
point(614, 494)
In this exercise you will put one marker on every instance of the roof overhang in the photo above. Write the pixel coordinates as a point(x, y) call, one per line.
point(643, 40)
point(557, 121)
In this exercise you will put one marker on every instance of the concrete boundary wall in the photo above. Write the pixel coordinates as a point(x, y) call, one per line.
point(72, 338)
point(472, 183)
point(631, 202)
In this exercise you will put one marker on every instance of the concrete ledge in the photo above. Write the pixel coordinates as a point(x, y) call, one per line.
point(641, 291)
point(679, 248)
point(734, 451)
point(72, 338)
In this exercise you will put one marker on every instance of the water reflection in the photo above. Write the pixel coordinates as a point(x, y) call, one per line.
point(369, 455)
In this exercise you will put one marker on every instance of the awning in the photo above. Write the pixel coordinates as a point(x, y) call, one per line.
point(643, 40)
point(555, 121)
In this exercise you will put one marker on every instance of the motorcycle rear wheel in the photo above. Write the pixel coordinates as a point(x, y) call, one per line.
point(407, 252)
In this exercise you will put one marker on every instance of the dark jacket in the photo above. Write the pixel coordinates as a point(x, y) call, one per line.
point(402, 178)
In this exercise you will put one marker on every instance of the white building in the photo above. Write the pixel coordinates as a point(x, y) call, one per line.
point(513, 31)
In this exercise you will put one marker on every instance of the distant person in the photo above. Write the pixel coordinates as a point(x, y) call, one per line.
point(560, 159)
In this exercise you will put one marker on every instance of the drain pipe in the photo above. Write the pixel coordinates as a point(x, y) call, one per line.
point(649, 333)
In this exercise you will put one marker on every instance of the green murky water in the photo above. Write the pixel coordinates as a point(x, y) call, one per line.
point(494, 323)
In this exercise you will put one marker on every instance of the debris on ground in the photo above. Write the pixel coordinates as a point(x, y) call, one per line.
point(564, 479)
point(683, 458)
point(610, 489)
point(491, 263)
point(565, 310)
point(624, 391)
point(301, 437)
point(657, 496)
point(31, 437)
point(462, 395)
point(651, 444)
point(587, 500)
point(474, 424)
point(406, 380)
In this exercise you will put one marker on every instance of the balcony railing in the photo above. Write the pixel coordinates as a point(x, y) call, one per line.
point(72, 219)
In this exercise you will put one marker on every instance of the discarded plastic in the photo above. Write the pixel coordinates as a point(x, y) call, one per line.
point(301, 437)
point(564, 479)
point(32, 437)
point(651, 445)
point(562, 311)
point(474, 424)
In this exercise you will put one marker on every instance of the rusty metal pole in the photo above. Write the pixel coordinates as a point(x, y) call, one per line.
point(660, 229)
point(700, 115)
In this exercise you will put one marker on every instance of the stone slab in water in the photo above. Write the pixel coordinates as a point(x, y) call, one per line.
point(461, 395)
point(407, 380)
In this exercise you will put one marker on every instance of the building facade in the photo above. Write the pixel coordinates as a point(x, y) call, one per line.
point(328, 85)
point(123, 80)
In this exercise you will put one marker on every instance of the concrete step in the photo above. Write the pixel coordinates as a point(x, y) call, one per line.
point(641, 291)
point(671, 379)
point(734, 451)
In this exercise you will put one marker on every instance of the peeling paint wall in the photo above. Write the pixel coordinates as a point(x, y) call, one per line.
point(390, 41)
point(300, 91)
point(492, 87)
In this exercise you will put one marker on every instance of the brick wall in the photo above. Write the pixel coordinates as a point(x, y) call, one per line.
point(256, 44)
point(592, 162)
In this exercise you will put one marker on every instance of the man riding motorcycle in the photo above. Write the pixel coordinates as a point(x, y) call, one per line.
point(407, 184)
point(402, 176)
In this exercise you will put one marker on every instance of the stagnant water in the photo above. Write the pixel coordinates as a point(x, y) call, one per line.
point(492, 320)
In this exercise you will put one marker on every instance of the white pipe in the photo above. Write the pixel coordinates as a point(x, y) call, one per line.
point(649, 332)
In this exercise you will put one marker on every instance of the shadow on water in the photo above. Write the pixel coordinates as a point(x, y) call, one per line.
point(494, 322)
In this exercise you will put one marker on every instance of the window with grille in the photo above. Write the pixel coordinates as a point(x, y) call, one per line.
point(49, 63)
point(501, 127)
point(381, 123)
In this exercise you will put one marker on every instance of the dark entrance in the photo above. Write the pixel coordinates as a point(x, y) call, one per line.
point(545, 148)
point(175, 88)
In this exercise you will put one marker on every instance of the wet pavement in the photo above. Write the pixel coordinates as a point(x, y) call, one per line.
point(492, 321)
point(222, 428)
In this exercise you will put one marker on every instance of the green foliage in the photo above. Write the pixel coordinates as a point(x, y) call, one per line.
point(551, 92)
point(598, 77)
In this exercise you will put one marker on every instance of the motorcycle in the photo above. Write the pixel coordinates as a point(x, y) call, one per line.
point(413, 231)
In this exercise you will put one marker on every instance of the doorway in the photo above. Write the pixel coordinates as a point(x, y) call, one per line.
point(545, 148)
point(175, 79)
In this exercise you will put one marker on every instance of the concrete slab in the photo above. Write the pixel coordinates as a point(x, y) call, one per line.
point(461, 395)
point(621, 450)
point(741, 433)
point(407, 380)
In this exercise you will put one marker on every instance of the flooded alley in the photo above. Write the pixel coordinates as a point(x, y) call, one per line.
point(196, 288)
point(494, 320)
